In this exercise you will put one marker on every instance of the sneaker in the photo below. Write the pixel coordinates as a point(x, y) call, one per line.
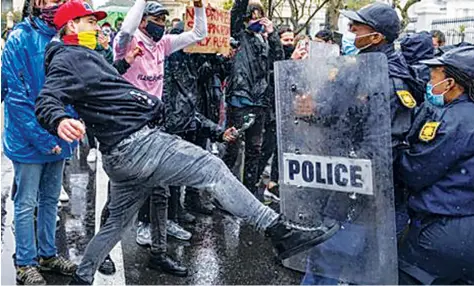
point(76, 280)
point(289, 239)
point(144, 234)
point(167, 264)
point(92, 156)
point(29, 275)
point(57, 264)
point(63, 197)
point(107, 267)
point(175, 230)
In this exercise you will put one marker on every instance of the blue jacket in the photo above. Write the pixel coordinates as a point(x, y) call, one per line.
point(24, 140)
point(438, 167)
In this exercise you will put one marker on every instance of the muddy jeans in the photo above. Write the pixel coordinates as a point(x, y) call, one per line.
point(150, 158)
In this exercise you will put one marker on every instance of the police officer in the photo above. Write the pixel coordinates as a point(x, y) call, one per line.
point(438, 169)
point(374, 28)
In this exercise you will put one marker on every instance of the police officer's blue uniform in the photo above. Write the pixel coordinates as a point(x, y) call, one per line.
point(438, 168)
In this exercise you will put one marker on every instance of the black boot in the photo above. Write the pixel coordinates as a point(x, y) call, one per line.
point(185, 217)
point(107, 267)
point(195, 203)
point(290, 239)
point(167, 264)
point(76, 280)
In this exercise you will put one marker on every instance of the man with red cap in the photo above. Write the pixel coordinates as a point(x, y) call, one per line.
point(138, 156)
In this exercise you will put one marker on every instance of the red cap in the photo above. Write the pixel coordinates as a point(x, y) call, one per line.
point(74, 9)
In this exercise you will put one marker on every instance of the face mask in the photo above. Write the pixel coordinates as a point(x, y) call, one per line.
point(288, 50)
point(47, 14)
point(155, 31)
point(256, 27)
point(348, 43)
point(435, 99)
point(87, 39)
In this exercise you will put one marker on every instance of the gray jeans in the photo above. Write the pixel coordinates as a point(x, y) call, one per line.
point(150, 158)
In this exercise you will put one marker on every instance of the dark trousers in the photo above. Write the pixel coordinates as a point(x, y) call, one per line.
point(269, 147)
point(91, 139)
point(253, 138)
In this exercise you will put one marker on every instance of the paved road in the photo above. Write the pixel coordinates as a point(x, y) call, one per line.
point(222, 251)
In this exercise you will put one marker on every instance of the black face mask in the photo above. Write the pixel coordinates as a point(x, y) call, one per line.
point(155, 31)
point(289, 49)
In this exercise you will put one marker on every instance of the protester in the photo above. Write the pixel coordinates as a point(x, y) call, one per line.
point(324, 36)
point(437, 167)
point(248, 84)
point(37, 156)
point(144, 27)
point(439, 39)
point(415, 48)
point(137, 155)
point(287, 38)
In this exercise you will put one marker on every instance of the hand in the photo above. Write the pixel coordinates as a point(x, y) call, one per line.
point(300, 53)
point(133, 54)
point(71, 129)
point(56, 150)
point(267, 24)
point(103, 41)
point(198, 3)
point(230, 135)
point(304, 106)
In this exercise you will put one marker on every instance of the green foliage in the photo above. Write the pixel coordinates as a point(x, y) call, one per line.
point(357, 4)
point(227, 5)
point(16, 18)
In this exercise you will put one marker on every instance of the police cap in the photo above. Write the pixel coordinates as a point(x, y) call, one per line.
point(461, 59)
point(381, 17)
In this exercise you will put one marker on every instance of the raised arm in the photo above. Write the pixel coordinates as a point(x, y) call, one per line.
point(237, 17)
point(198, 33)
point(129, 27)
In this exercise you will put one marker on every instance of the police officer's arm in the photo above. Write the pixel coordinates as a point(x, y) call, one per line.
point(237, 17)
point(20, 103)
point(426, 162)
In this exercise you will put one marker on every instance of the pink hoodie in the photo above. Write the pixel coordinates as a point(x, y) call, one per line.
point(146, 72)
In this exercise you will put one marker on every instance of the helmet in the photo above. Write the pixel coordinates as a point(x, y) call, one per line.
point(154, 8)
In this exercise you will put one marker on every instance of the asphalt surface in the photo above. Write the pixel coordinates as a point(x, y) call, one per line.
point(223, 250)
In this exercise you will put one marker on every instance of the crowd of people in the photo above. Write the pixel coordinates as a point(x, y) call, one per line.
point(156, 110)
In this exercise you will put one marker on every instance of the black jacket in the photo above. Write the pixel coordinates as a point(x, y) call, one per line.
point(250, 72)
point(180, 92)
point(108, 104)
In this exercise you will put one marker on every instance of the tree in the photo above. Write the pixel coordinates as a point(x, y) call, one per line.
point(404, 11)
point(332, 14)
point(227, 5)
point(357, 4)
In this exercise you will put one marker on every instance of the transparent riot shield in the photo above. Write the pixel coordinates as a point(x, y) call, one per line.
point(333, 126)
point(318, 50)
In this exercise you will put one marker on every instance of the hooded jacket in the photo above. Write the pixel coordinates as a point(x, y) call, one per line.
point(249, 79)
point(180, 92)
point(415, 48)
point(108, 104)
point(23, 76)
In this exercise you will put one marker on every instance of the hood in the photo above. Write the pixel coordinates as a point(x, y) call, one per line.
point(397, 66)
point(417, 47)
point(52, 49)
point(42, 26)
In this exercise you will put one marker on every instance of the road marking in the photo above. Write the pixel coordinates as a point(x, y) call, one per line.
point(116, 254)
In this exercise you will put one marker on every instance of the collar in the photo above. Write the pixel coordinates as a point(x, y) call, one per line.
point(42, 26)
point(146, 41)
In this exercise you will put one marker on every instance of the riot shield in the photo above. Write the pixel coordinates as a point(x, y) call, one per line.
point(333, 126)
point(317, 50)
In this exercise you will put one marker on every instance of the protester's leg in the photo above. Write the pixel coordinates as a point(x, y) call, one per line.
point(269, 142)
point(108, 266)
point(105, 211)
point(158, 218)
point(173, 203)
point(27, 181)
point(144, 213)
point(274, 173)
point(49, 190)
point(253, 145)
point(91, 139)
point(125, 201)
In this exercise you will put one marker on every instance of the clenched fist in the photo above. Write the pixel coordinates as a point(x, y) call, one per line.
point(71, 129)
